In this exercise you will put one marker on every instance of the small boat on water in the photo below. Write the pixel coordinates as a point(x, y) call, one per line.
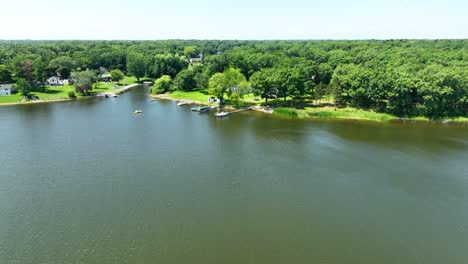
point(110, 95)
point(138, 112)
point(222, 114)
point(181, 103)
point(204, 109)
point(200, 109)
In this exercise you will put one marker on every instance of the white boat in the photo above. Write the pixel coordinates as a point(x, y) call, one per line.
point(181, 103)
point(110, 95)
point(222, 114)
point(138, 112)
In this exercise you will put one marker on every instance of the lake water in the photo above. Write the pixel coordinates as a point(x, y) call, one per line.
point(89, 182)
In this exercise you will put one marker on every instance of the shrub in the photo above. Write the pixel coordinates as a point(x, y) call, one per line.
point(71, 94)
point(285, 112)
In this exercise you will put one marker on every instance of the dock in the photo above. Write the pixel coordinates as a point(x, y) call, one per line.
point(241, 110)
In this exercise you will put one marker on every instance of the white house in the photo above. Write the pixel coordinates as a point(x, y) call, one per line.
point(56, 81)
point(7, 89)
point(197, 60)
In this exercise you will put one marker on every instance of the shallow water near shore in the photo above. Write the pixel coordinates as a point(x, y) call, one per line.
point(90, 182)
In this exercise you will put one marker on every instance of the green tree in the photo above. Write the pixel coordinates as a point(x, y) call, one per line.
point(226, 83)
point(40, 72)
point(23, 87)
point(184, 80)
point(319, 91)
point(166, 64)
point(84, 81)
point(264, 84)
point(162, 85)
point(238, 93)
point(62, 66)
point(117, 75)
point(217, 86)
point(190, 51)
point(5, 74)
point(136, 65)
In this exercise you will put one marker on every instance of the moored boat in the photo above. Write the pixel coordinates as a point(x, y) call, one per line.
point(200, 108)
point(204, 109)
point(222, 114)
point(138, 112)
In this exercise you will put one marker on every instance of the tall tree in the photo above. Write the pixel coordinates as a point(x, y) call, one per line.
point(264, 84)
point(117, 75)
point(226, 83)
point(136, 65)
point(62, 66)
point(217, 86)
point(162, 85)
point(23, 87)
point(84, 81)
point(40, 72)
point(5, 75)
point(185, 81)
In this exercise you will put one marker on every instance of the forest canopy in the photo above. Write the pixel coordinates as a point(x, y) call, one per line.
point(400, 77)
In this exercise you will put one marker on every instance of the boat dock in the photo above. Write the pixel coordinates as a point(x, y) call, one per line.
point(241, 110)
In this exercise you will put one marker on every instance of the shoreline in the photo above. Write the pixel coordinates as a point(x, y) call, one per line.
point(167, 96)
point(100, 94)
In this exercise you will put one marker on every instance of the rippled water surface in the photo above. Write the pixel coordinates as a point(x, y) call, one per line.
point(89, 182)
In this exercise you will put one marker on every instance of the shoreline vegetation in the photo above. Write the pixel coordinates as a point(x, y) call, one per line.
point(316, 112)
point(425, 80)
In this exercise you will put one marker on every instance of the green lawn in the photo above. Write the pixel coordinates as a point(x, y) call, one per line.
point(332, 113)
point(10, 98)
point(347, 113)
point(193, 95)
point(129, 80)
point(61, 92)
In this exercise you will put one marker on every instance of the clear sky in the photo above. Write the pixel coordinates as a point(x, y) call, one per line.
point(240, 19)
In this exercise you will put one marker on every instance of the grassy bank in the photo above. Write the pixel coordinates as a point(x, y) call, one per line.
point(61, 92)
point(309, 110)
point(332, 113)
point(198, 96)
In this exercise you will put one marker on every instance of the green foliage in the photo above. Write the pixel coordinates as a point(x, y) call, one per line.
point(117, 75)
point(289, 112)
point(162, 85)
point(136, 65)
point(5, 75)
point(84, 81)
point(190, 51)
point(405, 78)
point(71, 95)
point(62, 66)
point(166, 64)
point(229, 82)
point(23, 87)
point(185, 80)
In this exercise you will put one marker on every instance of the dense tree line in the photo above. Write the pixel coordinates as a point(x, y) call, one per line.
point(401, 77)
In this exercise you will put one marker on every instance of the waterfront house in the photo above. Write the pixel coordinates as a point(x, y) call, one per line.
point(7, 89)
point(56, 81)
point(106, 77)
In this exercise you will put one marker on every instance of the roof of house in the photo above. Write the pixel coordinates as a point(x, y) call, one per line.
point(196, 59)
point(7, 86)
point(106, 75)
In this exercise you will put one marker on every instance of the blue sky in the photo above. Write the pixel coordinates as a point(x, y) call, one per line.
point(241, 19)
